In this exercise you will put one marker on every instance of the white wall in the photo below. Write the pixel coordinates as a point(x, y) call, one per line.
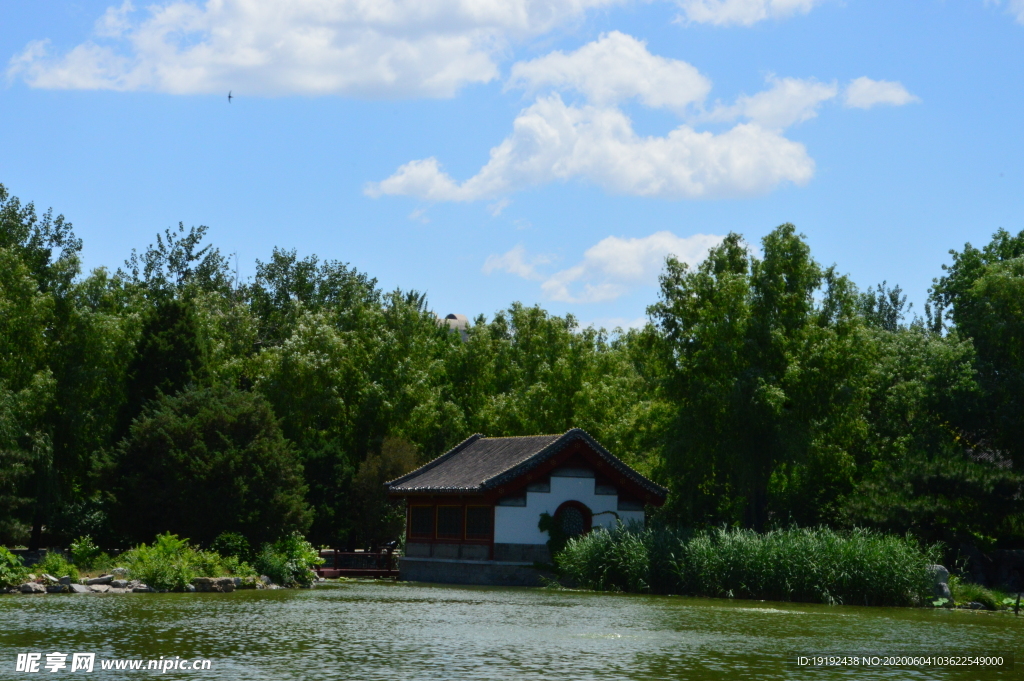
point(518, 524)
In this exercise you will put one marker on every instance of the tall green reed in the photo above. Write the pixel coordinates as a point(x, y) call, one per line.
point(796, 564)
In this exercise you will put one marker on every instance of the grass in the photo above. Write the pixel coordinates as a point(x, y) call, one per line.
point(966, 592)
point(822, 565)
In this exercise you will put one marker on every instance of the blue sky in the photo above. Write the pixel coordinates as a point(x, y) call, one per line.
point(546, 151)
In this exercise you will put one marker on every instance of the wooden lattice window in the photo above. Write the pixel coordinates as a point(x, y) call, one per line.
point(479, 522)
point(421, 522)
point(449, 522)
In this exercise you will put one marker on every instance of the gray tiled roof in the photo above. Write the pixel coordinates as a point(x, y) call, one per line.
point(481, 463)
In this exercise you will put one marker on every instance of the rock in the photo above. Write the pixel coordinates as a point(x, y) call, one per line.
point(116, 590)
point(141, 588)
point(33, 588)
point(57, 588)
point(120, 572)
point(265, 579)
point(218, 584)
point(118, 584)
point(50, 579)
point(105, 579)
point(189, 588)
point(974, 605)
point(79, 589)
point(66, 581)
point(940, 581)
point(132, 583)
point(99, 588)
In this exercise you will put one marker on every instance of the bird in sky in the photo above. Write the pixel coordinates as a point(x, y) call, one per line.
point(229, 97)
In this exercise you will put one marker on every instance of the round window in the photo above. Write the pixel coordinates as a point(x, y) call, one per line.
point(573, 518)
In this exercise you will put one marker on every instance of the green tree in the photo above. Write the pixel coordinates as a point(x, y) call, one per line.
point(170, 355)
point(38, 265)
point(767, 383)
point(982, 293)
point(378, 519)
point(207, 461)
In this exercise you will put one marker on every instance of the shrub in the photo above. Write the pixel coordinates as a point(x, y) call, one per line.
point(170, 563)
point(288, 561)
point(12, 571)
point(796, 564)
point(85, 554)
point(56, 565)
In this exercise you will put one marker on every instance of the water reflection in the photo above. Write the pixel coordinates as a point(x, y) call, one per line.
point(382, 631)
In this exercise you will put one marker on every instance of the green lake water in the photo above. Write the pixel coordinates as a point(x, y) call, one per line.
point(367, 631)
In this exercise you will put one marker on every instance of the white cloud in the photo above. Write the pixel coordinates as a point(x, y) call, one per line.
point(496, 208)
point(741, 12)
point(1013, 7)
point(554, 141)
point(788, 101)
point(614, 68)
point(614, 265)
point(864, 93)
point(517, 262)
point(377, 48)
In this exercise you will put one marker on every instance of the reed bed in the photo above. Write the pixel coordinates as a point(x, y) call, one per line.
point(859, 567)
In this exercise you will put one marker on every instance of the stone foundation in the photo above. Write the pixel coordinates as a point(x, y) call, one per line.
point(481, 572)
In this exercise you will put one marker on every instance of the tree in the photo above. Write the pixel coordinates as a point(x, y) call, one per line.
point(170, 355)
point(38, 264)
point(767, 383)
point(982, 293)
point(207, 461)
point(377, 519)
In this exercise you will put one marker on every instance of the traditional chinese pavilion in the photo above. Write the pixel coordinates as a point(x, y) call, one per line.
point(472, 514)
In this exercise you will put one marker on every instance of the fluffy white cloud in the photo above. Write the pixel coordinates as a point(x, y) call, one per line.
point(864, 93)
point(788, 101)
point(614, 68)
point(741, 12)
point(517, 262)
point(555, 141)
point(609, 269)
point(389, 48)
point(613, 266)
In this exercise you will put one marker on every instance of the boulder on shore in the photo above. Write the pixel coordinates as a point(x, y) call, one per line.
point(33, 588)
point(940, 582)
point(79, 589)
point(105, 579)
point(217, 584)
point(98, 588)
point(118, 584)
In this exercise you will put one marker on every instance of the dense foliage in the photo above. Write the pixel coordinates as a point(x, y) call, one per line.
point(207, 460)
point(171, 563)
point(168, 396)
point(812, 565)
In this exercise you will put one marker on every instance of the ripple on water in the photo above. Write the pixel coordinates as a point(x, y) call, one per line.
point(371, 631)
